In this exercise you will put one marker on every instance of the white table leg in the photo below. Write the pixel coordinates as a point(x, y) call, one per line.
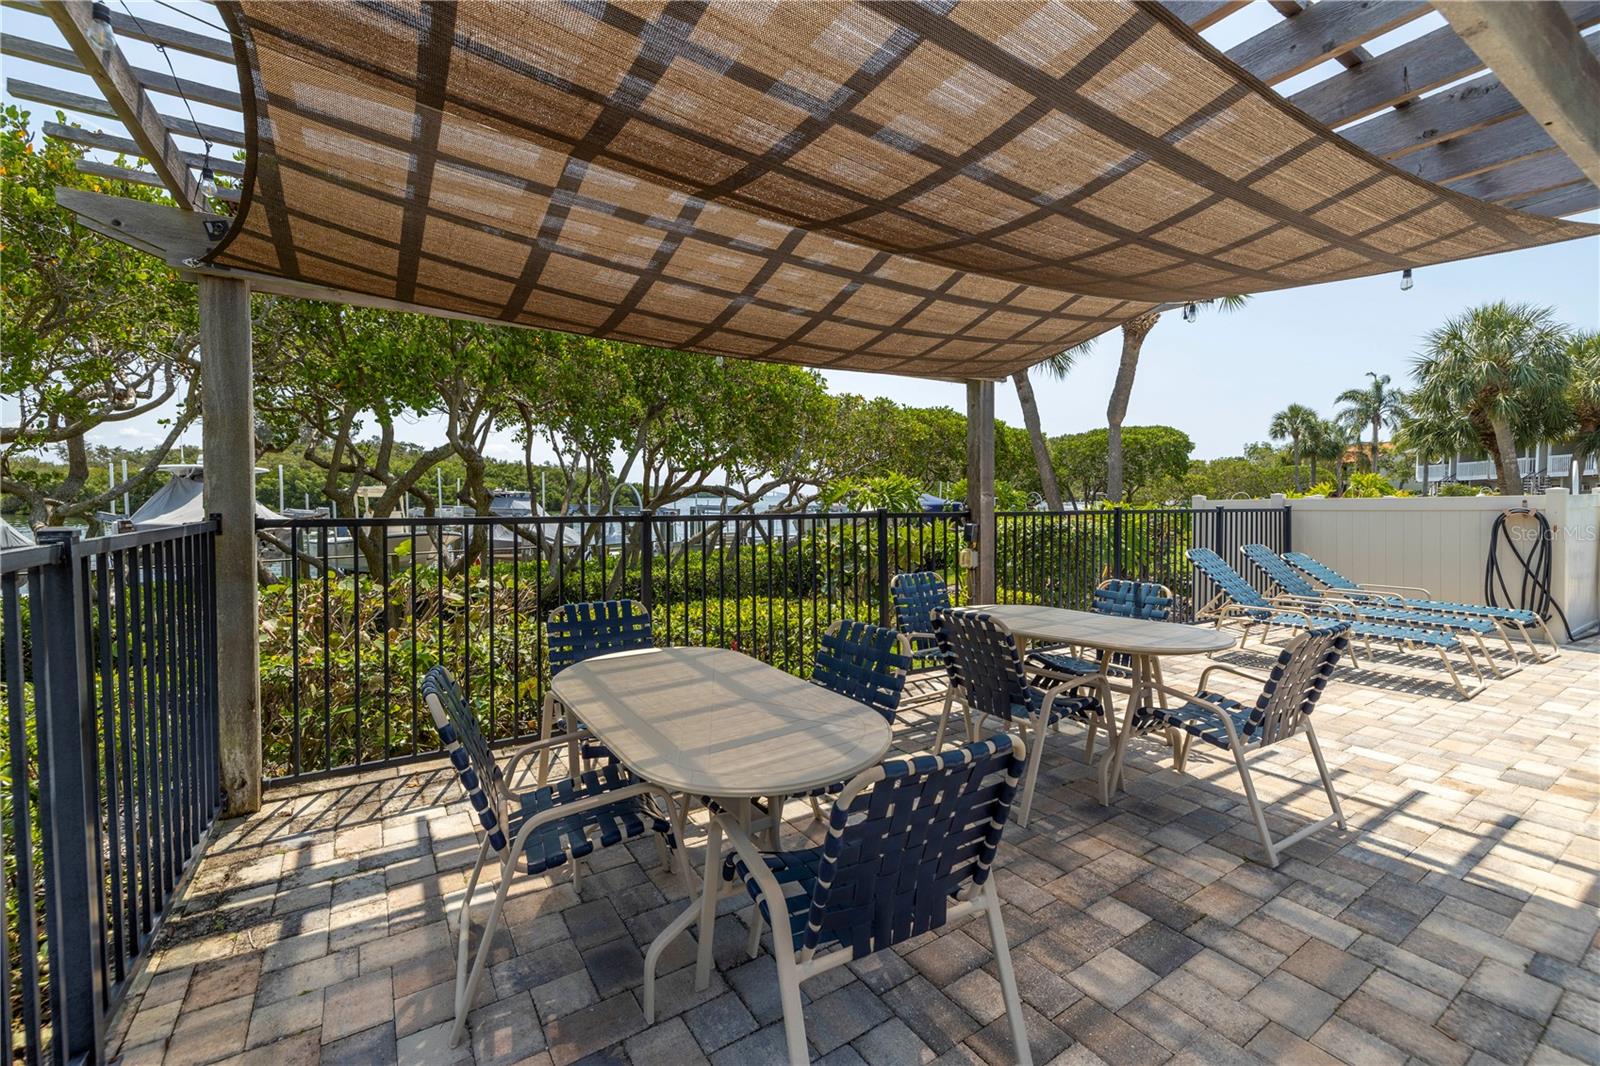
point(1110, 767)
point(709, 894)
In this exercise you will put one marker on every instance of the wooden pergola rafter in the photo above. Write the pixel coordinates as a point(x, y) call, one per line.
point(1520, 135)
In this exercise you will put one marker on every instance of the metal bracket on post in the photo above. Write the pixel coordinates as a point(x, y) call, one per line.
point(70, 803)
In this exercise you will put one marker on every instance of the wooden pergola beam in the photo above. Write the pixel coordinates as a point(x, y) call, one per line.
point(1522, 179)
point(1200, 14)
point(1460, 109)
point(1558, 203)
point(1541, 57)
point(110, 142)
point(149, 80)
point(143, 29)
point(138, 177)
point(1406, 71)
point(1488, 149)
point(93, 105)
point(1315, 34)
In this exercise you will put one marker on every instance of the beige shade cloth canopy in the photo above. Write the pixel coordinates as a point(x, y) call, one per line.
point(935, 189)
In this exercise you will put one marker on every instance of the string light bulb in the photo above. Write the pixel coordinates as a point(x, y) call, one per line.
point(99, 33)
point(1405, 280)
point(1190, 312)
point(208, 182)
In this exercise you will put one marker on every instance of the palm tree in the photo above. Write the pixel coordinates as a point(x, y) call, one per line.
point(1375, 406)
point(1502, 368)
point(1583, 397)
point(1057, 366)
point(1295, 422)
point(1429, 434)
point(1327, 439)
point(1134, 331)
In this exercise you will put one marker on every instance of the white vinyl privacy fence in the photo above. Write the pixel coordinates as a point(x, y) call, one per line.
point(1442, 544)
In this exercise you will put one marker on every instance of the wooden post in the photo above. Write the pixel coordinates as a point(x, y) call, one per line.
point(980, 485)
point(228, 422)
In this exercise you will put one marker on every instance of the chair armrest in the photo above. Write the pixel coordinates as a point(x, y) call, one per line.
point(1226, 668)
point(569, 738)
point(1375, 587)
point(1249, 613)
point(753, 858)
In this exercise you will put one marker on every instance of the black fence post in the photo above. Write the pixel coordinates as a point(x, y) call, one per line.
point(1116, 543)
point(885, 608)
point(1288, 529)
point(69, 804)
point(1219, 544)
point(647, 559)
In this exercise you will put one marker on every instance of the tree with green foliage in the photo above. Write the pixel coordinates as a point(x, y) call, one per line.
point(1583, 399)
point(94, 334)
point(1154, 455)
point(1296, 423)
point(1373, 406)
point(1058, 366)
point(1501, 368)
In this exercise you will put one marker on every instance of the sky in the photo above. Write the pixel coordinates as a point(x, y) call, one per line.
point(1219, 379)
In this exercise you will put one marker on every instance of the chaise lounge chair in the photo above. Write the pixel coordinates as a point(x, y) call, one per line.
point(1296, 588)
point(1524, 622)
point(1238, 602)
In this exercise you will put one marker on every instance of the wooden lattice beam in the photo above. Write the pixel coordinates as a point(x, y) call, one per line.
point(1538, 53)
point(1321, 32)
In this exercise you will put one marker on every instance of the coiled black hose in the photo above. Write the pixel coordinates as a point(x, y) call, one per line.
point(1533, 593)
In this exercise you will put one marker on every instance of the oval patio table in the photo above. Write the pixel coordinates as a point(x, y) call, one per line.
point(1144, 641)
point(712, 722)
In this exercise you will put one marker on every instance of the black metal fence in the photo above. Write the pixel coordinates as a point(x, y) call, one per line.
point(362, 608)
point(1058, 557)
point(110, 762)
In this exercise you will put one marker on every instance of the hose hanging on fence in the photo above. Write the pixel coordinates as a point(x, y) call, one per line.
point(1533, 593)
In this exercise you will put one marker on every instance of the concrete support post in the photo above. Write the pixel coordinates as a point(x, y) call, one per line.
point(980, 486)
point(230, 492)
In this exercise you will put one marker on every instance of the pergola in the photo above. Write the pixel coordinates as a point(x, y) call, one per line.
point(952, 190)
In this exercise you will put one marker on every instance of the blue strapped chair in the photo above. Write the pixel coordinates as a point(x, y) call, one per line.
point(1237, 602)
point(530, 832)
point(578, 631)
point(1523, 622)
point(910, 848)
point(1283, 709)
point(916, 596)
point(987, 674)
point(1296, 588)
point(866, 663)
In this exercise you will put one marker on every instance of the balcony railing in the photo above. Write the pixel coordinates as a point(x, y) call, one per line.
point(110, 759)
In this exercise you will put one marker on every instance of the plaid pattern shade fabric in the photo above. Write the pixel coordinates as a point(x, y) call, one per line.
point(949, 189)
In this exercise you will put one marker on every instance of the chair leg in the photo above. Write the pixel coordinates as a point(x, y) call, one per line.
point(794, 1018)
point(1256, 811)
point(944, 720)
point(1035, 741)
point(1008, 978)
point(754, 921)
point(547, 720)
point(1327, 779)
point(1088, 741)
point(465, 996)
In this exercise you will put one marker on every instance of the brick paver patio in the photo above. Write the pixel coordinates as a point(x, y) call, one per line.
point(1454, 922)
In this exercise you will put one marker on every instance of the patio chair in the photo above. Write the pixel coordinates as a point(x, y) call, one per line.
point(910, 848)
point(1237, 602)
point(578, 631)
point(987, 673)
point(544, 829)
point(1295, 587)
point(1283, 709)
point(1124, 599)
point(916, 596)
point(866, 663)
point(1524, 622)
